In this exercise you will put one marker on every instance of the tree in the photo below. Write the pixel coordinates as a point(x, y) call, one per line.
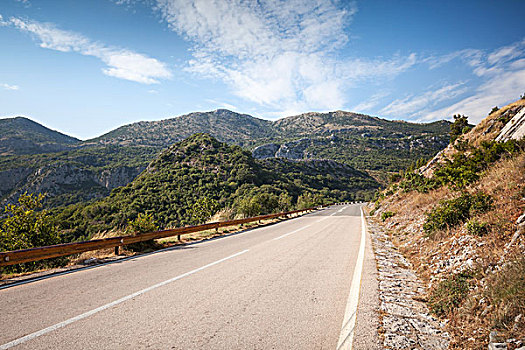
point(143, 223)
point(458, 127)
point(285, 202)
point(27, 226)
point(203, 209)
point(249, 206)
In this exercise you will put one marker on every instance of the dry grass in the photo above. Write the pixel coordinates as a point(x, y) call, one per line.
point(488, 129)
point(471, 323)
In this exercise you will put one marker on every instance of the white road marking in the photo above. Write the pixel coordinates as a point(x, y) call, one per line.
point(346, 336)
point(302, 228)
point(289, 233)
point(114, 303)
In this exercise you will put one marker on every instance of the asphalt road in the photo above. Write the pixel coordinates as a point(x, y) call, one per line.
point(284, 286)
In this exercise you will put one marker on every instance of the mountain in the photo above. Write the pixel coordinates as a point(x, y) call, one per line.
point(225, 125)
point(68, 177)
point(23, 136)
point(84, 170)
point(202, 168)
point(460, 221)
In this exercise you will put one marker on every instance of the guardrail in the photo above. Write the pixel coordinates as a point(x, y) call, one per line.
point(40, 253)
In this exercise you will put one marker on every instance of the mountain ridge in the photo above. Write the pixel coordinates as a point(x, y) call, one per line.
point(21, 135)
point(370, 144)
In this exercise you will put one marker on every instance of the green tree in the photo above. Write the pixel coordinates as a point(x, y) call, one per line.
point(26, 226)
point(458, 127)
point(249, 206)
point(285, 202)
point(203, 209)
point(143, 223)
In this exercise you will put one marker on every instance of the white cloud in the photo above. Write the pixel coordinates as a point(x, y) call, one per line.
point(368, 105)
point(222, 105)
point(412, 105)
point(498, 90)
point(470, 56)
point(281, 54)
point(9, 87)
point(121, 63)
point(502, 74)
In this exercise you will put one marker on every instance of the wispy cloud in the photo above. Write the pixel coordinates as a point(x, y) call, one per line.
point(121, 63)
point(369, 104)
point(9, 86)
point(500, 89)
point(502, 74)
point(412, 106)
point(284, 55)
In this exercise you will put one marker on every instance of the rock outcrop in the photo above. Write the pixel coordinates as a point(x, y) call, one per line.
point(514, 129)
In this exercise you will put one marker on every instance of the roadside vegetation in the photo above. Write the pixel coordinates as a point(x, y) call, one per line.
point(456, 221)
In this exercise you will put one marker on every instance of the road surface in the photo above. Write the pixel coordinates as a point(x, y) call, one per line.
point(284, 286)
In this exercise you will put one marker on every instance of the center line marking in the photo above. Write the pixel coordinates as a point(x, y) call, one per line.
point(289, 233)
point(302, 228)
point(109, 305)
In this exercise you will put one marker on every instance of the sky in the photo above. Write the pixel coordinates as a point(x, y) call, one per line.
point(87, 67)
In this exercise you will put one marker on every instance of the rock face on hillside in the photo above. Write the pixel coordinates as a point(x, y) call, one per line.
point(369, 144)
point(57, 180)
point(514, 129)
point(502, 125)
point(265, 151)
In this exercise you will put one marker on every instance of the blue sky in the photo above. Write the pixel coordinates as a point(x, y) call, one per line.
point(86, 67)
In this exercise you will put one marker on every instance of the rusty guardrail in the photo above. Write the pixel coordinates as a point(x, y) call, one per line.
point(54, 251)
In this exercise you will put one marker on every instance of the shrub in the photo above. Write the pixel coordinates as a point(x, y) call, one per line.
point(466, 167)
point(477, 228)
point(452, 212)
point(249, 206)
point(27, 226)
point(143, 223)
point(309, 200)
point(416, 182)
point(203, 209)
point(458, 127)
point(387, 214)
point(450, 293)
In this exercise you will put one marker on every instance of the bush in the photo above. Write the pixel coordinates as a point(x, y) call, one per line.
point(458, 127)
point(466, 167)
point(27, 226)
point(387, 214)
point(309, 200)
point(455, 211)
point(450, 293)
point(248, 207)
point(477, 228)
point(494, 109)
point(417, 182)
point(203, 209)
point(143, 223)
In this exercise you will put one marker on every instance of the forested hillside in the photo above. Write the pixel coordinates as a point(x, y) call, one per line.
point(23, 136)
point(224, 176)
point(72, 171)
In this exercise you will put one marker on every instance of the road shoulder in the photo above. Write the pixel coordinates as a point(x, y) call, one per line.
point(367, 324)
